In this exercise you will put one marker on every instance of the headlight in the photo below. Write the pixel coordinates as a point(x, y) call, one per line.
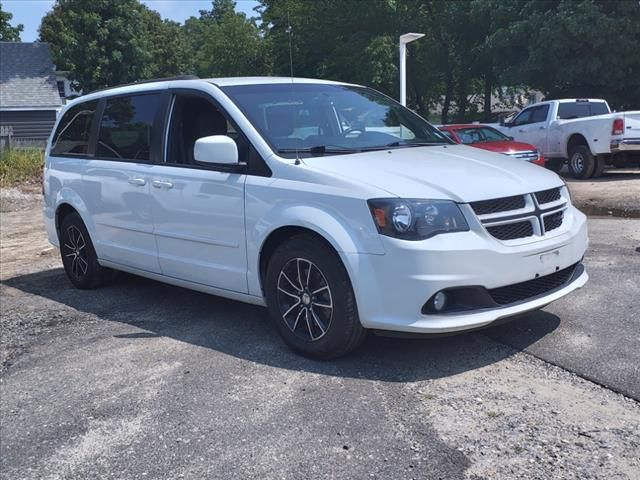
point(416, 219)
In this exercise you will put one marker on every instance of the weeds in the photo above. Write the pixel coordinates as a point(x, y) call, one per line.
point(20, 166)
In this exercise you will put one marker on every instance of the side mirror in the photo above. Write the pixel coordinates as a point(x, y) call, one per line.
point(216, 149)
point(511, 138)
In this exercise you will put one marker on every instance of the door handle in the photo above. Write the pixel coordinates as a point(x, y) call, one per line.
point(521, 131)
point(542, 128)
point(162, 184)
point(138, 181)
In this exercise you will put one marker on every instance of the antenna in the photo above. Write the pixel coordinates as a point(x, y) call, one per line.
point(295, 115)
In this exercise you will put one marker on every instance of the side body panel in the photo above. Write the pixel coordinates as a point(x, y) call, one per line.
point(120, 206)
point(199, 225)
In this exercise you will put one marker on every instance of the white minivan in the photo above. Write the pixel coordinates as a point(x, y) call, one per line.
point(329, 203)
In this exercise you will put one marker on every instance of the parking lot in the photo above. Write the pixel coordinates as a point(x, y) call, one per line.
point(145, 380)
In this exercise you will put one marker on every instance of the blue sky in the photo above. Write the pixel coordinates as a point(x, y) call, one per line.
point(30, 12)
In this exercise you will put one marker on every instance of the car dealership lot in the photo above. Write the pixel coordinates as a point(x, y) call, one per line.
point(145, 380)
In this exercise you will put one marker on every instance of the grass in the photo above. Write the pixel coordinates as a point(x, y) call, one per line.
point(20, 166)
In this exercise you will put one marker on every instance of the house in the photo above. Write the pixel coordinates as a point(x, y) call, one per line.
point(29, 92)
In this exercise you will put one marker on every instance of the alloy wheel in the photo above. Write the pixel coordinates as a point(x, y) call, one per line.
point(74, 249)
point(304, 299)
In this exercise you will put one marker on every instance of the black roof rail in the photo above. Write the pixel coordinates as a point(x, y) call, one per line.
point(151, 80)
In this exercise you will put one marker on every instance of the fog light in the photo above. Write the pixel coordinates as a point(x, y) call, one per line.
point(439, 301)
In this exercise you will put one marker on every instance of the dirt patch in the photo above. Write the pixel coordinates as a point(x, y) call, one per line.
point(616, 194)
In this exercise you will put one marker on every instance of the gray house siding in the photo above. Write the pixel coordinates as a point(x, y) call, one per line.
point(29, 94)
point(29, 125)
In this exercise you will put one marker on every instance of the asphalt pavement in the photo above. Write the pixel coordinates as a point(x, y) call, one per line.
point(145, 380)
point(594, 332)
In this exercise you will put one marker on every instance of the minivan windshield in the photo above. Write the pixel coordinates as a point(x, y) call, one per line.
point(330, 119)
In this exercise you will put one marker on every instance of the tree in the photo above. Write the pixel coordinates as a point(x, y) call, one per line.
point(169, 49)
point(7, 32)
point(586, 48)
point(342, 40)
point(226, 43)
point(110, 42)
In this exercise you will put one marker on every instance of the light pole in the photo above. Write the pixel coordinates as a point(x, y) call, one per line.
point(404, 39)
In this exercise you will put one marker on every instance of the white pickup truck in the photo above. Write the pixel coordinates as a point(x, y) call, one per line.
point(583, 132)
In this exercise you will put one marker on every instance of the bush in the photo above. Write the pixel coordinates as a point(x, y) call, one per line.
point(20, 166)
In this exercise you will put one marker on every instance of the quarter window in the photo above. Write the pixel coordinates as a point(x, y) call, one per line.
point(74, 130)
point(126, 128)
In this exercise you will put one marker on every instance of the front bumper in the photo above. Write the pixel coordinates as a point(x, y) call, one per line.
point(391, 289)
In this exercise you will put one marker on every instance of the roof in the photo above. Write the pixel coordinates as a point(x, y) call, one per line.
point(147, 85)
point(232, 81)
point(458, 126)
point(27, 77)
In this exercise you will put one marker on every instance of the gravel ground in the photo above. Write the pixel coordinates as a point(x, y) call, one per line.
point(616, 193)
point(145, 380)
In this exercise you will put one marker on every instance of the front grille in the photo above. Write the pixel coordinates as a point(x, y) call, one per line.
point(504, 204)
point(532, 288)
point(553, 221)
point(528, 155)
point(511, 231)
point(548, 196)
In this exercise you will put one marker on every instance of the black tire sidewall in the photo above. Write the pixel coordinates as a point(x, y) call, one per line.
point(345, 324)
point(94, 276)
point(588, 159)
point(554, 164)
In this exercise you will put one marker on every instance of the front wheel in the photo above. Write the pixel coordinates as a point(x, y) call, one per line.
point(310, 299)
point(581, 162)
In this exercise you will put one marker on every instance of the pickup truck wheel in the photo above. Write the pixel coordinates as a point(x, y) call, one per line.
point(78, 255)
point(599, 167)
point(554, 164)
point(581, 162)
point(311, 301)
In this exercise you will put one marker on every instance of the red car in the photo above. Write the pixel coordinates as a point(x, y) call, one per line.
point(487, 138)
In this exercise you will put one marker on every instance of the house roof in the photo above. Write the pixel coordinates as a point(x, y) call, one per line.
point(27, 78)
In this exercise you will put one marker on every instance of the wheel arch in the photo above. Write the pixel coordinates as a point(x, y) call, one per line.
point(574, 140)
point(68, 201)
point(280, 235)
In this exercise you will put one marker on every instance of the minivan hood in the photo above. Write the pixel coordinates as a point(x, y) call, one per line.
point(454, 172)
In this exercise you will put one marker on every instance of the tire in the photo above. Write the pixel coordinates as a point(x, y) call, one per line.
point(581, 162)
point(554, 164)
point(78, 255)
point(311, 301)
point(599, 167)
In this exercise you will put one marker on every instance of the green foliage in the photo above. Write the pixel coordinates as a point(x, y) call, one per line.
point(226, 43)
point(7, 32)
point(111, 42)
point(473, 49)
point(20, 166)
point(585, 48)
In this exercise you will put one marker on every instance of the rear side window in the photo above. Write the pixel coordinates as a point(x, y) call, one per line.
point(126, 128)
point(569, 110)
point(74, 130)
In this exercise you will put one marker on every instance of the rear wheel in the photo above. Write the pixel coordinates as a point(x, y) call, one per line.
point(581, 162)
point(78, 255)
point(310, 299)
point(599, 166)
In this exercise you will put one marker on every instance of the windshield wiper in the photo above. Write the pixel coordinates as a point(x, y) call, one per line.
point(320, 149)
point(404, 143)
